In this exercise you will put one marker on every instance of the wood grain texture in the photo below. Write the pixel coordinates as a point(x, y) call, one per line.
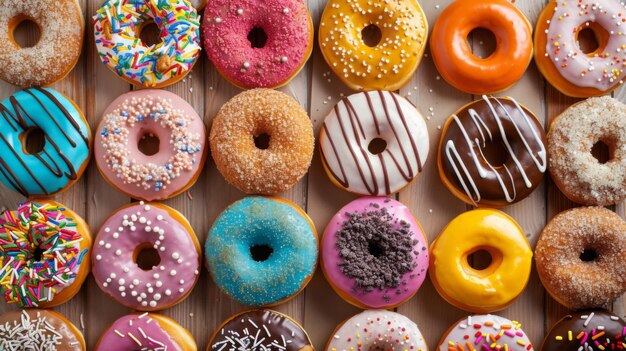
point(92, 86)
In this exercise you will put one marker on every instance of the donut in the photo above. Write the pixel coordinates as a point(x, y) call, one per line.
point(572, 135)
point(267, 329)
point(467, 72)
point(374, 253)
point(118, 24)
point(39, 329)
point(473, 289)
point(150, 114)
point(251, 163)
point(133, 232)
point(60, 136)
point(377, 330)
point(373, 45)
point(146, 331)
point(580, 257)
point(559, 56)
point(373, 143)
point(593, 330)
point(485, 332)
point(480, 128)
point(62, 29)
point(44, 254)
point(262, 251)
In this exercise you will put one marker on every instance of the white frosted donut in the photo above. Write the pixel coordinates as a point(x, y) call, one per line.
point(351, 128)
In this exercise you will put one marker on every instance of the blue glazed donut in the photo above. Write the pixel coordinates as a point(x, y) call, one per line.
point(262, 250)
point(65, 152)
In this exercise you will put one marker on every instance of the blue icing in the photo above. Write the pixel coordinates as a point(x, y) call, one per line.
point(66, 148)
point(258, 220)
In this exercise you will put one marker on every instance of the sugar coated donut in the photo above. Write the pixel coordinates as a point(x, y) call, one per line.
point(572, 135)
point(559, 55)
point(62, 29)
point(262, 251)
point(247, 161)
point(268, 59)
point(261, 329)
point(377, 330)
point(39, 329)
point(146, 331)
point(374, 253)
point(485, 332)
point(481, 290)
point(373, 143)
point(135, 116)
point(580, 257)
point(140, 230)
point(480, 127)
point(61, 139)
point(44, 254)
point(453, 56)
point(117, 25)
point(368, 62)
point(591, 330)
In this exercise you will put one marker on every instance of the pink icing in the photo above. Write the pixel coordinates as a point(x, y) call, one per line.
point(287, 24)
point(116, 271)
point(126, 332)
point(377, 298)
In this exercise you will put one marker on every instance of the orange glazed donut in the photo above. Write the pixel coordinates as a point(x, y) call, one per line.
point(453, 56)
point(39, 329)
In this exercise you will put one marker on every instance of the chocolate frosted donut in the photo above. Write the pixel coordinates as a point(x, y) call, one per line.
point(589, 330)
point(39, 329)
point(478, 129)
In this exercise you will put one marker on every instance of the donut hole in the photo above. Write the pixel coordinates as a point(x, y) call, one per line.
point(38, 254)
point(484, 42)
point(33, 140)
point(588, 255)
point(146, 257)
point(26, 33)
point(495, 152)
point(591, 38)
point(375, 248)
point(479, 260)
point(148, 144)
point(149, 33)
point(601, 151)
point(262, 141)
point(371, 35)
point(261, 252)
point(257, 37)
point(377, 146)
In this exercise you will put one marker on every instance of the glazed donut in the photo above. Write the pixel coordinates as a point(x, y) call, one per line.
point(485, 332)
point(479, 127)
point(267, 329)
point(140, 227)
point(594, 330)
point(351, 132)
point(147, 331)
point(558, 54)
point(117, 25)
point(377, 330)
point(374, 253)
point(575, 171)
point(181, 136)
point(387, 65)
point(453, 56)
point(577, 247)
point(65, 142)
point(481, 290)
point(44, 254)
point(262, 251)
point(262, 169)
point(39, 329)
point(228, 30)
point(62, 29)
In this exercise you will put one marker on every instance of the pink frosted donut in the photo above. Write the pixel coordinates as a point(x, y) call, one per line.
point(374, 253)
point(146, 256)
point(256, 44)
point(155, 114)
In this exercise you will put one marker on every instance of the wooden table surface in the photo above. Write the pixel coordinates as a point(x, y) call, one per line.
point(92, 86)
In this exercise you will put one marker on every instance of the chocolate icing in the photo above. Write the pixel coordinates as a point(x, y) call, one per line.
point(598, 321)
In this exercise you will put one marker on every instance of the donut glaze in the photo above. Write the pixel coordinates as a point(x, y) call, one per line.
point(594, 330)
point(492, 122)
point(478, 332)
point(289, 30)
point(121, 238)
point(396, 269)
point(67, 142)
point(182, 144)
point(354, 123)
point(257, 221)
point(377, 330)
point(39, 329)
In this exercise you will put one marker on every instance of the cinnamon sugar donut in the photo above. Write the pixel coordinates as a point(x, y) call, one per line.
point(580, 257)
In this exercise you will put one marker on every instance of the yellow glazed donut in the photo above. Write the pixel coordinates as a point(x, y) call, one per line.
point(387, 65)
point(490, 289)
